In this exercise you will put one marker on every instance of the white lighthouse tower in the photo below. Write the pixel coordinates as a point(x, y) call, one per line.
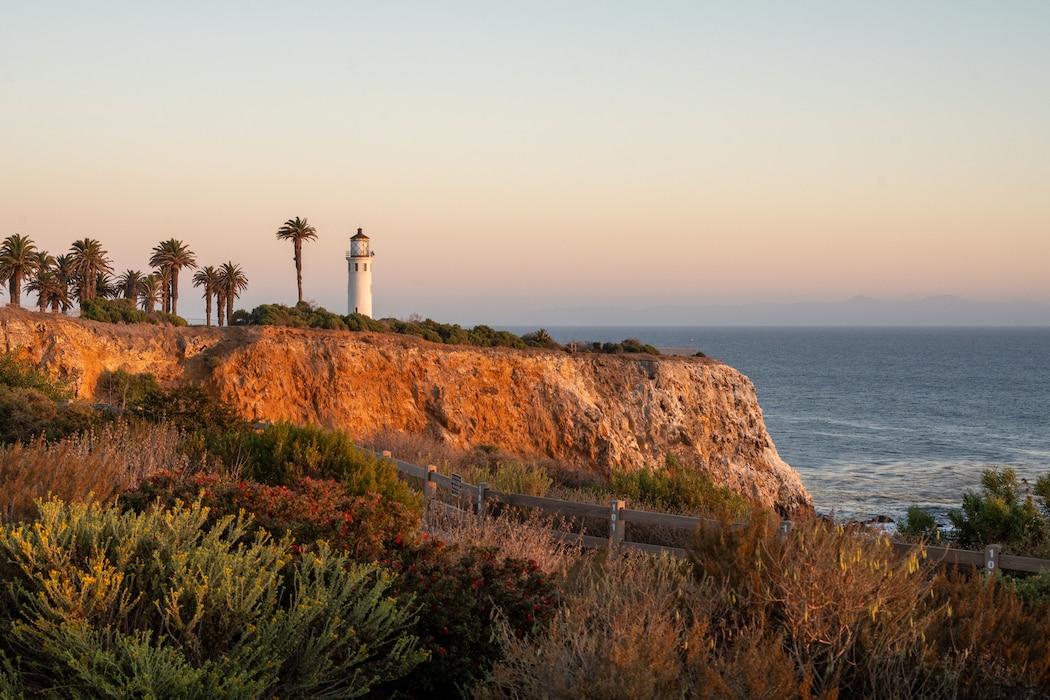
point(359, 288)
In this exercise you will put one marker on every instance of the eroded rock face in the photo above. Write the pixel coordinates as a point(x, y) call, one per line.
point(601, 411)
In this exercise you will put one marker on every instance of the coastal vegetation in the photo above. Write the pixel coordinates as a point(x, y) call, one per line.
point(85, 276)
point(292, 562)
point(305, 315)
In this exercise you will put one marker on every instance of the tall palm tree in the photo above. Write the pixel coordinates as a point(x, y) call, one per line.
point(51, 291)
point(45, 262)
point(297, 230)
point(150, 292)
point(232, 281)
point(88, 260)
point(207, 277)
point(64, 270)
point(171, 256)
point(128, 283)
point(45, 282)
point(18, 260)
point(106, 287)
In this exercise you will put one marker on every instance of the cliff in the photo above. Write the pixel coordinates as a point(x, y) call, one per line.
point(601, 411)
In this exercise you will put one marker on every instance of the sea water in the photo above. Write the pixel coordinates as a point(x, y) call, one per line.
point(879, 419)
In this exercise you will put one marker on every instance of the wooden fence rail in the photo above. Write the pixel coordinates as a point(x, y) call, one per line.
point(479, 499)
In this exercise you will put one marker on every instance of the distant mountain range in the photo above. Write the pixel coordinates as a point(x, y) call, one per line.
point(858, 311)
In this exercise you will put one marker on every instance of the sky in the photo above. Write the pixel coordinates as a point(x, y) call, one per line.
point(506, 158)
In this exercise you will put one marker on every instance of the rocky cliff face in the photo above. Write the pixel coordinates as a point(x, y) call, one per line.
point(597, 410)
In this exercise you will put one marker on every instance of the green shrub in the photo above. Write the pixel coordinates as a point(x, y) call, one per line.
point(1001, 514)
point(18, 372)
point(189, 407)
point(360, 322)
point(33, 404)
point(157, 604)
point(124, 311)
point(24, 413)
point(676, 488)
point(284, 453)
point(918, 523)
point(1034, 589)
point(517, 477)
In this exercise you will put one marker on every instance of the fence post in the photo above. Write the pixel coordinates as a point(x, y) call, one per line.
point(786, 526)
point(482, 488)
point(429, 486)
point(616, 526)
point(991, 557)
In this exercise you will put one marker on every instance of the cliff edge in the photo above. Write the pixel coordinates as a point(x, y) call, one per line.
point(599, 411)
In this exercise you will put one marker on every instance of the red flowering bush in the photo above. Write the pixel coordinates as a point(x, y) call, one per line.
point(459, 593)
point(365, 527)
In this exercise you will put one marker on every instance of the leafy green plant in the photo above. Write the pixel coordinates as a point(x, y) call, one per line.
point(124, 311)
point(284, 453)
point(18, 372)
point(676, 488)
point(159, 603)
point(918, 523)
point(189, 407)
point(518, 477)
point(1002, 514)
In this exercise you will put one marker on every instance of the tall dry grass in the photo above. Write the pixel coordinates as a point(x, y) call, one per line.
point(829, 613)
point(95, 466)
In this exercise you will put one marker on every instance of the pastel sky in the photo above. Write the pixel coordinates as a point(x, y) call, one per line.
point(513, 156)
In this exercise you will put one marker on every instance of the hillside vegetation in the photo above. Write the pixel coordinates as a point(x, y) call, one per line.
point(196, 556)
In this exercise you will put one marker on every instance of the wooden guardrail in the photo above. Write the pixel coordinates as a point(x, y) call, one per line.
point(478, 500)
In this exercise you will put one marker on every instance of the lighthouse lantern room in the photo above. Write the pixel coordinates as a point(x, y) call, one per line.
point(359, 288)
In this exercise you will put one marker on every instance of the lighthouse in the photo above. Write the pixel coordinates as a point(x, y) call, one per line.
point(359, 287)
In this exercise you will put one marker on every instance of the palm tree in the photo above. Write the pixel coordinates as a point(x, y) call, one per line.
point(46, 284)
point(232, 281)
point(128, 283)
point(64, 270)
point(106, 287)
point(297, 230)
point(207, 277)
point(171, 256)
point(18, 260)
point(150, 292)
point(45, 263)
point(88, 260)
point(51, 291)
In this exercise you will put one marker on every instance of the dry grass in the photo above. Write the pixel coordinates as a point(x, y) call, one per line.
point(829, 613)
point(95, 466)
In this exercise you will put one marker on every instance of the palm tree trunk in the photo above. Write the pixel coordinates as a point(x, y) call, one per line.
point(299, 267)
point(174, 290)
point(220, 302)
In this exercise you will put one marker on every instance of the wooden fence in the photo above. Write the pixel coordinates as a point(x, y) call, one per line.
point(479, 499)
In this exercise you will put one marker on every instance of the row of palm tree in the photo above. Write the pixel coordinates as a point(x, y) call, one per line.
point(225, 284)
point(85, 273)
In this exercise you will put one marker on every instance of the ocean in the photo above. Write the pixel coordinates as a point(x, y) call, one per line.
point(879, 419)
